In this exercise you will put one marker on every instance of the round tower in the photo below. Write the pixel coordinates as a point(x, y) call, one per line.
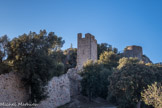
point(133, 51)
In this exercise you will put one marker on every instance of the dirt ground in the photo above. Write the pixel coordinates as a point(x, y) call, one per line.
point(83, 102)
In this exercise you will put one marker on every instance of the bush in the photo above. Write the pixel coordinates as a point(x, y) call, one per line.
point(30, 56)
point(153, 95)
point(109, 60)
point(127, 83)
point(94, 82)
point(4, 68)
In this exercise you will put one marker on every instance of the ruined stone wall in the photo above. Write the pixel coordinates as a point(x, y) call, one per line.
point(11, 90)
point(87, 49)
point(74, 78)
point(59, 92)
point(60, 89)
point(133, 51)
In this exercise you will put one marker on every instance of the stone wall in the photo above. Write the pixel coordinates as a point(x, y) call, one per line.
point(59, 92)
point(133, 51)
point(74, 78)
point(87, 49)
point(61, 88)
point(11, 90)
point(93, 48)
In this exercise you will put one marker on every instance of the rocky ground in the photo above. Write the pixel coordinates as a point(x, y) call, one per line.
point(82, 102)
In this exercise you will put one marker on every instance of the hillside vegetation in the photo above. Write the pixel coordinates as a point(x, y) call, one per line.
point(125, 82)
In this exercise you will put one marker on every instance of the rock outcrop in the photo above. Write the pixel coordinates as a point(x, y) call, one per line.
point(146, 59)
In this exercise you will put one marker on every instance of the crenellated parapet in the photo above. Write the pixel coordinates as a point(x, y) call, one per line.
point(88, 36)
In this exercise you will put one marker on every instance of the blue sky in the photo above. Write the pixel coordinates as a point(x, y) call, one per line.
point(117, 22)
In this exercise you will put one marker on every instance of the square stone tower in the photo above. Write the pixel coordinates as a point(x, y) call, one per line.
point(87, 49)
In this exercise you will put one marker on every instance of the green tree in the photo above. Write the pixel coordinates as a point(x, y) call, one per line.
point(158, 72)
point(29, 54)
point(153, 95)
point(104, 83)
point(58, 56)
point(94, 82)
point(4, 67)
point(127, 83)
point(67, 57)
point(109, 60)
point(105, 47)
point(70, 60)
point(125, 61)
point(3, 47)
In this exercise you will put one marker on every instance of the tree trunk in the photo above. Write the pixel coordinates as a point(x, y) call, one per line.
point(139, 104)
point(30, 97)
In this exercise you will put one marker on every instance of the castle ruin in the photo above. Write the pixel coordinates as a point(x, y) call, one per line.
point(61, 88)
point(133, 51)
point(87, 49)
